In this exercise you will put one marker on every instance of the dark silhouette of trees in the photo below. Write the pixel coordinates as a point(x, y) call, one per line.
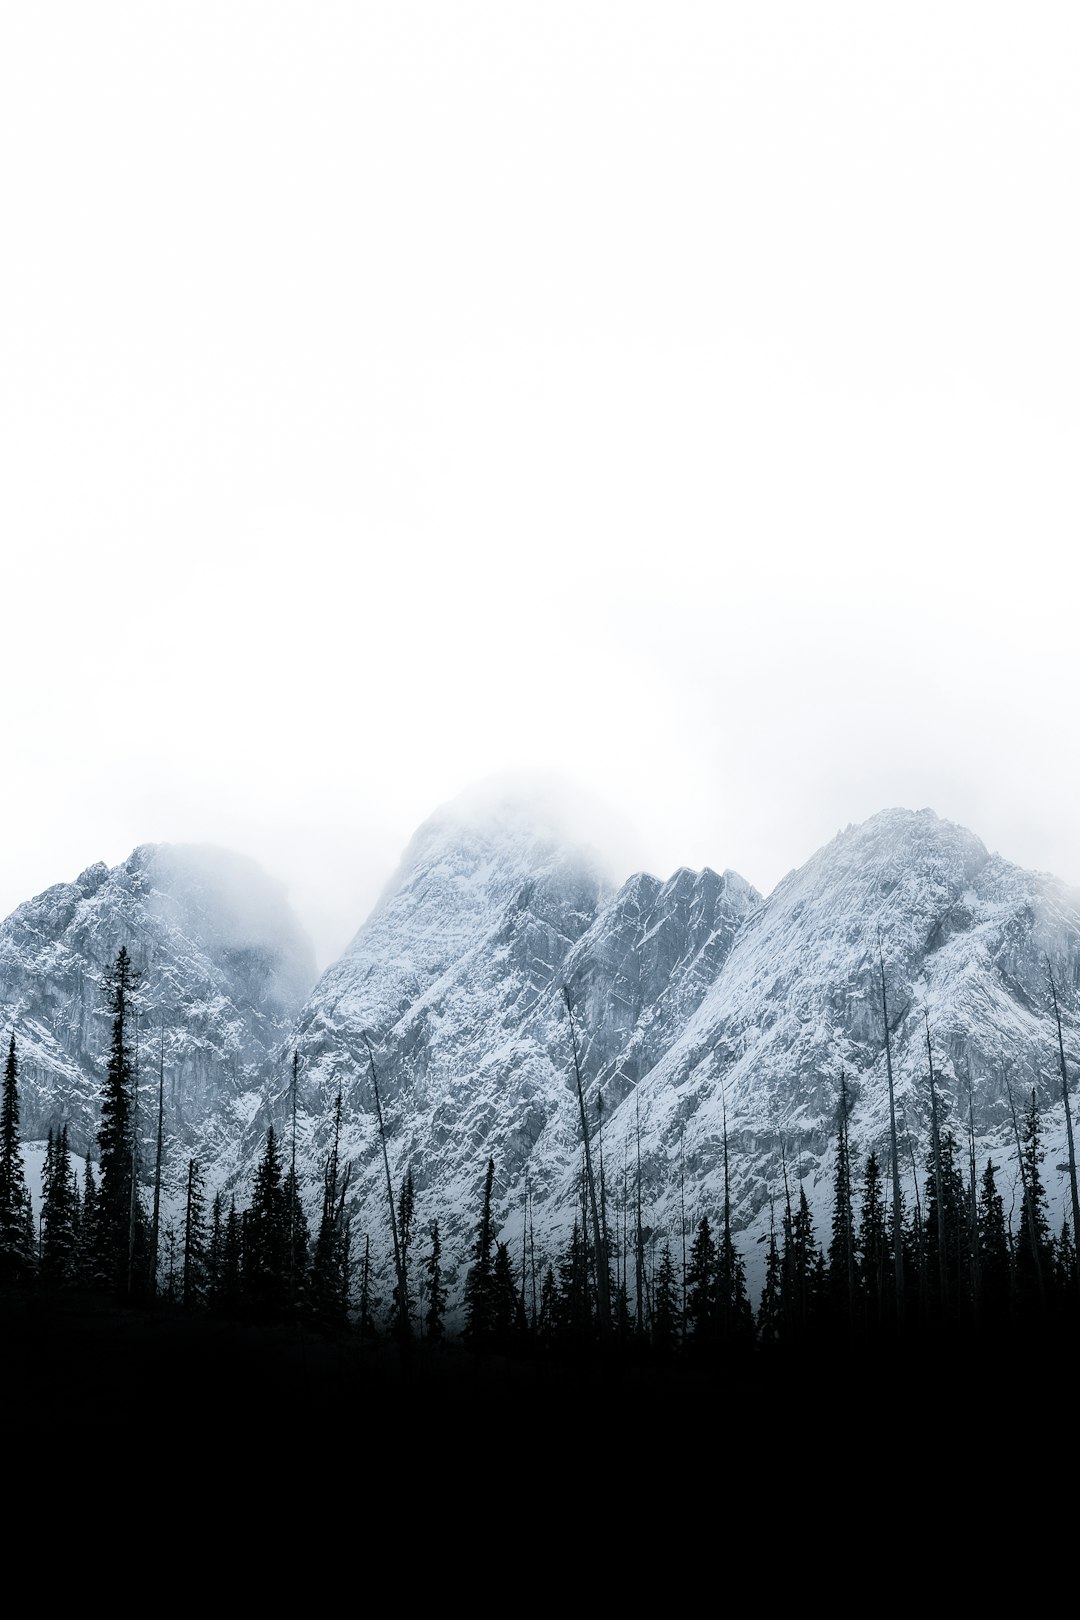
point(16, 1211)
point(58, 1257)
point(479, 1282)
point(121, 1223)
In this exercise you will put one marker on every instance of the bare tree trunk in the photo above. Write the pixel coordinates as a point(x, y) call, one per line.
point(603, 1303)
point(399, 1265)
point(1068, 1127)
point(156, 1225)
point(898, 1241)
point(935, 1137)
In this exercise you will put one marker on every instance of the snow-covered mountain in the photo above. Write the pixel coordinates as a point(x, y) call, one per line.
point(699, 1012)
point(224, 969)
point(966, 943)
point(698, 1008)
point(450, 1000)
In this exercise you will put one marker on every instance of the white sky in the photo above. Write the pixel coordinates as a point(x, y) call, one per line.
point(682, 398)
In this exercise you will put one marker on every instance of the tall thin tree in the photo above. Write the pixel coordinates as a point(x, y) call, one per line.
point(1068, 1122)
point(898, 1241)
point(603, 1301)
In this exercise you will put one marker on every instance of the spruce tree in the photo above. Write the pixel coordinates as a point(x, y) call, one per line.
point(994, 1259)
point(328, 1281)
point(478, 1283)
point(195, 1238)
point(59, 1260)
point(436, 1289)
point(840, 1265)
point(664, 1334)
point(119, 1212)
point(16, 1216)
point(874, 1246)
point(1034, 1244)
point(265, 1237)
point(701, 1311)
point(507, 1314)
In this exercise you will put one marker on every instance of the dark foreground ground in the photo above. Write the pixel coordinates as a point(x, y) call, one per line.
point(220, 1461)
point(113, 1378)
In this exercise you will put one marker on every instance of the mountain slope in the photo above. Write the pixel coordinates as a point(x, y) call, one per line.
point(224, 967)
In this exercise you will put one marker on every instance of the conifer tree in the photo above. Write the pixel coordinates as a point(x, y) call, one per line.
point(367, 1304)
point(701, 1311)
point(297, 1232)
point(478, 1283)
point(401, 1310)
point(507, 1315)
point(119, 1214)
point(574, 1320)
point(946, 1231)
point(548, 1316)
point(1035, 1247)
point(436, 1289)
point(994, 1258)
point(58, 1263)
point(214, 1250)
point(265, 1236)
point(89, 1267)
point(666, 1308)
point(195, 1238)
point(770, 1311)
point(840, 1265)
point(874, 1250)
point(328, 1283)
point(230, 1292)
point(16, 1215)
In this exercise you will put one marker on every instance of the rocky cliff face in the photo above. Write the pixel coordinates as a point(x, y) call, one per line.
point(224, 970)
point(451, 1001)
point(906, 918)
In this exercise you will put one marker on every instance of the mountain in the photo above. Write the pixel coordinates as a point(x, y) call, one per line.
point(450, 1000)
point(224, 971)
point(702, 1013)
point(907, 917)
point(712, 1029)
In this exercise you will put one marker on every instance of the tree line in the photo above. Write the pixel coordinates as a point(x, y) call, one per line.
point(948, 1260)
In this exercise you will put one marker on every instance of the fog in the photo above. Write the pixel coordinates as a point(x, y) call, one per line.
point(680, 402)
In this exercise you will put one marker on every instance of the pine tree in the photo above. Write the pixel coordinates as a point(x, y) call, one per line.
point(297, 1232)
point(701, 1314)
point(328, 1282)
point(574, 1322)
point(994, 1260)
point(119, 1212)
point(59, 1259)
point(507, 1315)
point(265, 1237)
point(16, 1216)
point(946, 1231)
point(1034, 1244)
point(195, 1238)
point(401, 1309)
point(840, 1266)
point(367, 1304)
point(478, 1283)
point(802, 1270)
point(436, 1289)
point(873, 1247)
point(89, 1266)
point(230, 1291)
point(215, 1251)
point(664, 1335)
point(770, 1311)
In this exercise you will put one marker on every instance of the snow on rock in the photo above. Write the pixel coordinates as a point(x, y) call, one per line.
point(224, 968)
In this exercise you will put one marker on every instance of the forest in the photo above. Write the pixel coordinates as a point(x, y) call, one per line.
point(949, 1271)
